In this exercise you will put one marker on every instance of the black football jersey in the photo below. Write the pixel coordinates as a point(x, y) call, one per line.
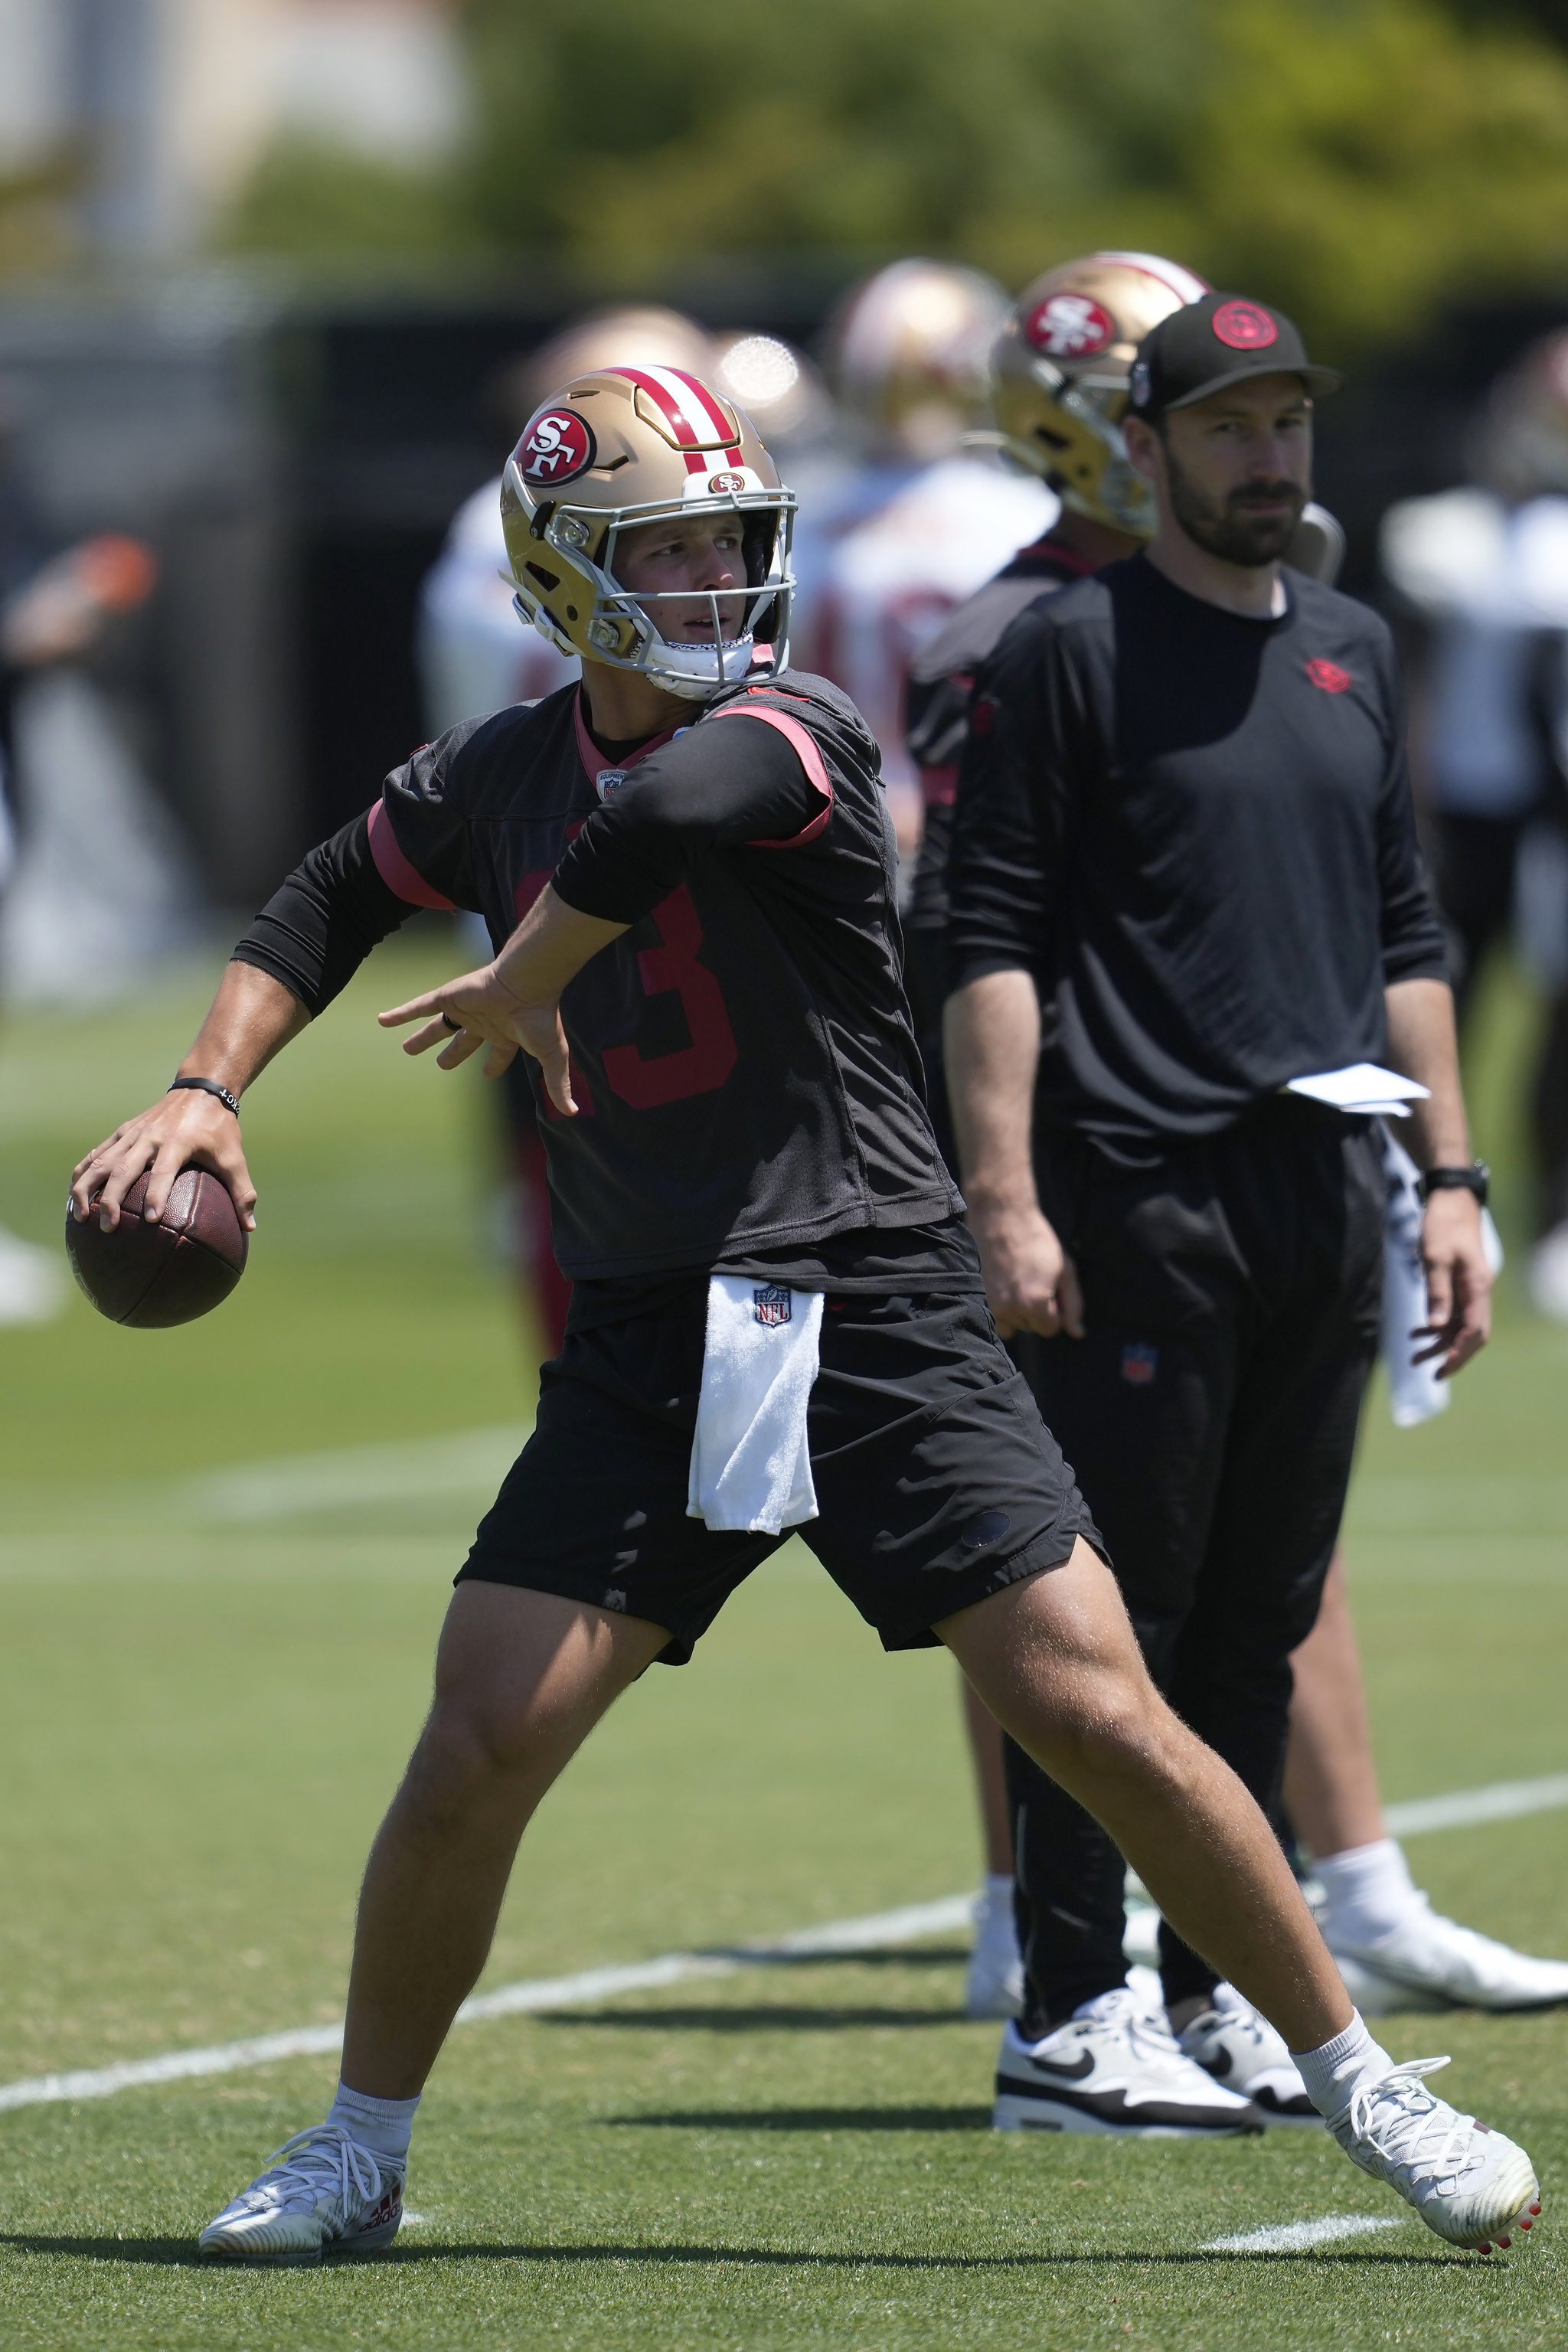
point(742, 1057)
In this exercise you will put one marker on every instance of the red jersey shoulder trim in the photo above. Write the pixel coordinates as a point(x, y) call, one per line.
point(805, 748)
point(399, 875)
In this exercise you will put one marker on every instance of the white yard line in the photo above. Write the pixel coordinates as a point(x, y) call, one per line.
point(251, 1493)
point(884, 1930)
point(1296, 2237)
point(1505, 1801)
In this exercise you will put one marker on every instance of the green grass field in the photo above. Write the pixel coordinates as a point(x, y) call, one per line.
point(202, 1714)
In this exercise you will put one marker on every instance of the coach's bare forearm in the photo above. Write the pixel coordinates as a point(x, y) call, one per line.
point(1423, 1046)
point(991, 1045)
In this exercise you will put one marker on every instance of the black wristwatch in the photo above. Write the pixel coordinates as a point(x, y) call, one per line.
point(1476, 1178)
point(207, 1087)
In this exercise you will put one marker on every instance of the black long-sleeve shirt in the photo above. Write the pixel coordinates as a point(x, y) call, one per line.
point(749, 1086)
point(1195, 831)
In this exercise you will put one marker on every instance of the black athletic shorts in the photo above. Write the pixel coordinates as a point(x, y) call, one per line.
point(937, 1482)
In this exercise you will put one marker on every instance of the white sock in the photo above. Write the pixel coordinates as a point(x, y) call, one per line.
point(383, 2125)
point(1369, 1890)
point(994, 1912)
point(1332, 2072)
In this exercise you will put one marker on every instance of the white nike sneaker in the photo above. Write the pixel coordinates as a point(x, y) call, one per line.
point(327, 2194)
point(1235, 2044)
point(1467, 2181)
point(1445, 1965)
point(994, 1984)
point(1112, 2069)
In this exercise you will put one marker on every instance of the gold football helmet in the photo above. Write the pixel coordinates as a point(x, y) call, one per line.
point(907, 357)
point(622, 447)
point(1059, 377)
point(1521, 448)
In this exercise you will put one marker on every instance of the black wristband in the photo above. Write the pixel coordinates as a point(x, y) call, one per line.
point(208, 1086)
point(1476, 1178)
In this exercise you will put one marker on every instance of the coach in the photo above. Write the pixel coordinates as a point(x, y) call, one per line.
point(1184, 874)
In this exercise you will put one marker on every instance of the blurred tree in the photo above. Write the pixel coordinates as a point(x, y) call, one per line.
point(1357, 160)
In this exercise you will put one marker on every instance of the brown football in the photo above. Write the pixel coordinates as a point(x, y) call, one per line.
point(153, 1276)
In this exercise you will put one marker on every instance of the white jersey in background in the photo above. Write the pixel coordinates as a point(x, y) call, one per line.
point(475, 655)
point(882, 588)
point(1489, 579)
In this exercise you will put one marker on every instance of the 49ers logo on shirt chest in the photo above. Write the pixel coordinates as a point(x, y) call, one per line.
point(1071, 327)
point(556, 447)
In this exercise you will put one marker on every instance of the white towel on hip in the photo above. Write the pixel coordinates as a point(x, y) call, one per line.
point(750, 1466)
point(1414, 1391)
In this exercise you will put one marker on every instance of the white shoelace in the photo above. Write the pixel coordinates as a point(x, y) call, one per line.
point(324, 2157)
point(1411, 2116)
point(1150, 2036)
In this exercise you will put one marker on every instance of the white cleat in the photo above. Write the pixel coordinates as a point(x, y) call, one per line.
point(324, 2193)
point(1445, 1965)
point(994, 1986)
point(1467, 2181)
point(1112, 2070)
point(1236, 2046)
point(32, 1281)
point(1547, 1274)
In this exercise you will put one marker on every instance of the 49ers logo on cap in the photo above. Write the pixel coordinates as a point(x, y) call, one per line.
point(557, 445)
point(1070, 326)
point(1245, 327)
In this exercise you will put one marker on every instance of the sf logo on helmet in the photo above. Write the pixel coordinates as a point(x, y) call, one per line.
point(557, 445)
point(1071, 327)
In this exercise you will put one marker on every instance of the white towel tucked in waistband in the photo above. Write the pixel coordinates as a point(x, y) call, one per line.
point(750, 1466)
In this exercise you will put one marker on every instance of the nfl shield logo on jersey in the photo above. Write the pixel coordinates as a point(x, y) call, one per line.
point(771, 1304)
point(608, 781)
point(1140, 1362)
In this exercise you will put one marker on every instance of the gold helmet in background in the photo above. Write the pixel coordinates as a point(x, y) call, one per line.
point(907, 356)
point(1521, 447)
point(643, 334)
point(613, 449)
point(1059, 377)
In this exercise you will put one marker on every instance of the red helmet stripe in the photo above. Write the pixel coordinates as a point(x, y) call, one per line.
point(686, 403)
point(1185, 284)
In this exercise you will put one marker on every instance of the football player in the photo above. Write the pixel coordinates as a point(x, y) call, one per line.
point(1059, 389)
point(921, 521)
point(1485, 571)
point(686, 869)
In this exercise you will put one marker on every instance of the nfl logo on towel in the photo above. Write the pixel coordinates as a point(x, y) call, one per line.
point(771, 1304)
point(1140, 1362)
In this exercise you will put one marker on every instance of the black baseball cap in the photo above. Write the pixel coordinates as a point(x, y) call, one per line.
point(1224, 339)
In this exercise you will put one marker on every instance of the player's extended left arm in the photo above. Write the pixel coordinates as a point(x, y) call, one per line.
point(1421, 1043)
point(515, 1000)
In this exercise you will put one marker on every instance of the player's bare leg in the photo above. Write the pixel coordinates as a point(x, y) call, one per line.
point(1057, 1663)
point(1392, 1951)
point(993, 1983)
point(522, 1679)
point(1331, 1779)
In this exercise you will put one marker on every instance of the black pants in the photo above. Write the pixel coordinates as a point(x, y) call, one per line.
point(1231, 1299)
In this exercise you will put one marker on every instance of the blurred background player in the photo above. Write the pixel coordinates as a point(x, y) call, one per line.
point(56, 609)
point(921, 520)
point(1485, 571)
point(475, 657)
point(1059, 389)
point(884, 553)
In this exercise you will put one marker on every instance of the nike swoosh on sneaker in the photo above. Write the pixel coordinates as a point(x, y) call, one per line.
point(1083, 2065)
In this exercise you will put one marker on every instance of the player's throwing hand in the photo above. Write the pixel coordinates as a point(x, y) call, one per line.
point(480, 1010)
